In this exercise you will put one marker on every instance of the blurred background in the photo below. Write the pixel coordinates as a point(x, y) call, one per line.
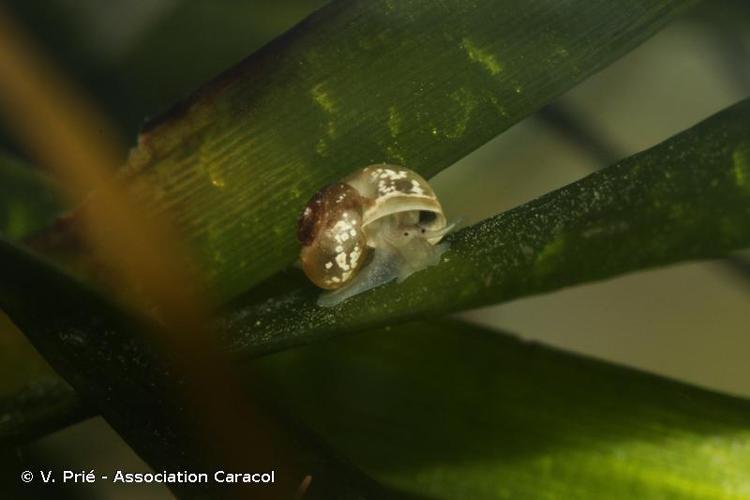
point(689, 322)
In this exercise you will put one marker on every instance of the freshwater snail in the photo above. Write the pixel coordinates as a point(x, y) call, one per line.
point(380, 223)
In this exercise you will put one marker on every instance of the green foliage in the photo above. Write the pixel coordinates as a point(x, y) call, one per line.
point(686, 198)
point(46, 404)
point(28, 202)
point(417, 83)
point(455, 411)
point(650, 209)
point(33, 399)
point(105, 355)
point(441, 409)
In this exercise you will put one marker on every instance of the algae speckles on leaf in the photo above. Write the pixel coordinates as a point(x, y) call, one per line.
point(481, 56)
point(394, 121)
point(741, 165)
point(545, 259)
point(322, 98)
point(465, 103)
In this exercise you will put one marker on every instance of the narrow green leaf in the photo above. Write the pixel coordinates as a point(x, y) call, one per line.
point(103, 353)
point(455, 411)
point(28, 201)
point(416, 82)
point(45, 405)
point(94, 347)
point(684, 199)
point(687, 198)
point(33, 399)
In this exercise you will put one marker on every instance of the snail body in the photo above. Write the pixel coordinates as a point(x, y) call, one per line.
point(380, 223)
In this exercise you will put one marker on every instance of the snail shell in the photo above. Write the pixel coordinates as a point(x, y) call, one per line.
point(381, 223)
point(330, 231)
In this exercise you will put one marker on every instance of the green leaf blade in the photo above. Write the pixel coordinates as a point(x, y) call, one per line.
point(457, 411)
point(678, 201)
point(417, 83)
point(28, 201)
point(33, 399)
point(47, 404)
point(115, 368)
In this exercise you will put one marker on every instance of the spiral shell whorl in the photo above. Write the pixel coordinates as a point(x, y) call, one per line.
point(330, 231)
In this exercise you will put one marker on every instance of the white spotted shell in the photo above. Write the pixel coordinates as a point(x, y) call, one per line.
point(381, 223)
point(330, 230)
